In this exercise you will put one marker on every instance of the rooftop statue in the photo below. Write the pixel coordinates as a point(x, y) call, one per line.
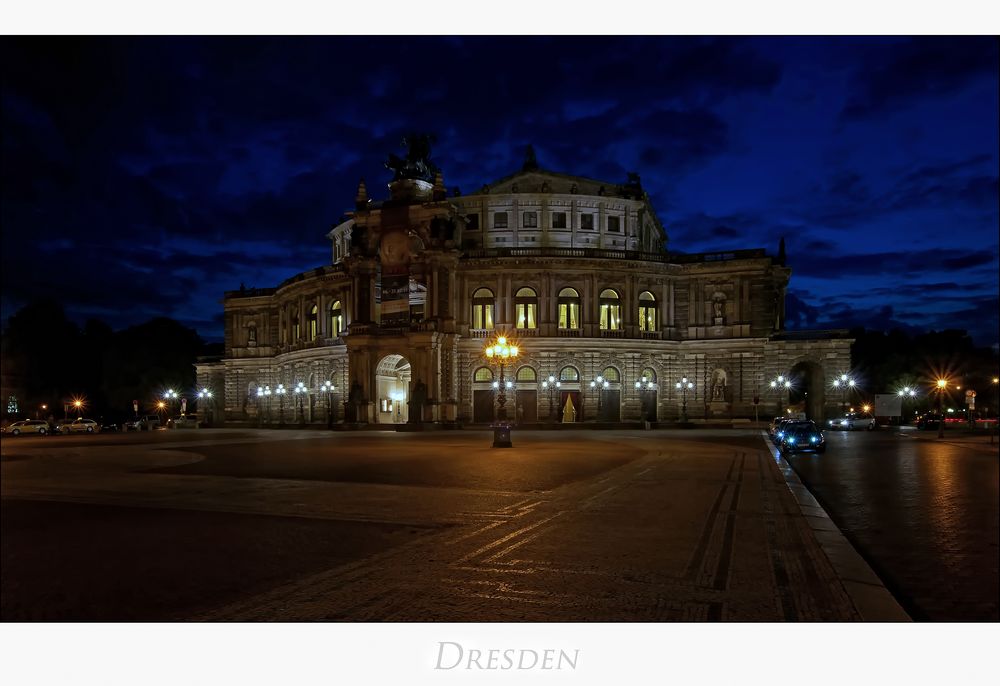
point(417, 163)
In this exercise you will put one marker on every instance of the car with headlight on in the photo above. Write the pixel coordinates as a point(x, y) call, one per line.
point(801, 438)
point(27, 426)
point(785, 424)
point(852, 421)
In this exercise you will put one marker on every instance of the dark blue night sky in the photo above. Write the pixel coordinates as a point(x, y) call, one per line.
point(144, 177)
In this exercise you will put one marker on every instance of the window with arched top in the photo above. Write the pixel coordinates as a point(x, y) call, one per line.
point(483, 374)
point(568, 304)
point(648, 375)
point(611, 374)
point(569, 374)
point(482, 309)
point(647, 312)
point(313, 322)
point(336, 319)
point(526, 308)
point(526, 374)
point(611, 310)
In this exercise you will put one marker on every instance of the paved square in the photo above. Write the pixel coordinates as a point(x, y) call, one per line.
point(436, 526)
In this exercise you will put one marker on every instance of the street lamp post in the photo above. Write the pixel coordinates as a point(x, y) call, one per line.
point(206, 395)
point(501, 352)
point(280, 392)
point(170, 396)
point(905, 393)
point(941, 385)
point(552, 385)
point(300, 390)
point(781, 385)
point(684, 386)
point(844, 383)
point(328, 388)
point(600, 384)
point(643, 389)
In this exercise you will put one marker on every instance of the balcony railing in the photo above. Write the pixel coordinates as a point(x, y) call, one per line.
point(605, 254)
point(612, 333)
point(569, 333)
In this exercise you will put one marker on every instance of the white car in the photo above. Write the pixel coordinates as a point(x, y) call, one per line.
point(183, 421)
point(852, 421)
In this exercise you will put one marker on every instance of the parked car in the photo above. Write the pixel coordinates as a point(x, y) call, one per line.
point(27, 426)
point(183, 421)
point(148, 422)
point(928, 420)
point(803, 437)
point(78, 425)
point(773, 426)
point(851, 421)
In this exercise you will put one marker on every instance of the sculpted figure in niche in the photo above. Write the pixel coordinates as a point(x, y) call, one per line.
point(719, 384)
point(252, 335)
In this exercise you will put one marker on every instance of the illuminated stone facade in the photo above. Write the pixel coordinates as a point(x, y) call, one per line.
point(576, 270)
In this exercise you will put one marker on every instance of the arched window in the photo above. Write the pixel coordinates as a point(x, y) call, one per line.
point(313, 322)
point(526, 308)
point(526, 374)
point(296, 328)
point(336, 319)
point(611, 374)
point(483, 374)
point(482, 309)
point(611, 310)
point(648, 375)
point(647, 311)
point(569, 309)
point(569, 374)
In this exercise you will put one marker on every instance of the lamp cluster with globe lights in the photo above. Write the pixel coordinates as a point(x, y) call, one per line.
point(684, 385)
point(552, 385)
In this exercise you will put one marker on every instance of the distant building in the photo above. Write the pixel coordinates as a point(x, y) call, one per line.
point(575, 269)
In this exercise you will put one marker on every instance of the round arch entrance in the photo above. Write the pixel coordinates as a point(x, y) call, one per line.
point(808, 389)
point(392, 390)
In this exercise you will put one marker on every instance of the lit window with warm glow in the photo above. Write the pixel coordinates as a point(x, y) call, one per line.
point(526, 308)
point(336, 319)
point(611, 311)
point(569, 309)
point(482, 309)
point(647, 311)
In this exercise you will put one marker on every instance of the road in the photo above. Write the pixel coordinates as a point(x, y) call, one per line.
point(923, 512)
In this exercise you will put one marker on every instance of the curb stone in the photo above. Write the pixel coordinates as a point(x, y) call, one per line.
point(871, 598)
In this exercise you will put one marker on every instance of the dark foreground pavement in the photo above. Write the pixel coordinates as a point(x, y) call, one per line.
point(579, 526)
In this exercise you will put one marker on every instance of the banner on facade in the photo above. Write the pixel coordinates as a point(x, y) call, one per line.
point(395, 282)
point(395, 298)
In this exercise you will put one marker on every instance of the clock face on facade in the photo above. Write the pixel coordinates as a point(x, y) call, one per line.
point(394, 248)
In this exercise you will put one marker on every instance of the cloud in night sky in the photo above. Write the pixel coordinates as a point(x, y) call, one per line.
point(145, 176)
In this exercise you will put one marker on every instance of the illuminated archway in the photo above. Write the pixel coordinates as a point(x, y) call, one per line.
point(392, 390)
